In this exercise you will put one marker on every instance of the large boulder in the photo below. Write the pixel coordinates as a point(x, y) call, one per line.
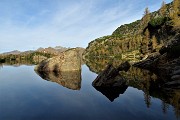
point(110, 77)
point(67, 61)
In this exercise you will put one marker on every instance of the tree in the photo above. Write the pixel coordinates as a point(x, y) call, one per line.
point(174, 15)
point(145, 42)
point(147, 34)
point(163, 9)
point(154, 42)
point(146, 17)
point(176, 5)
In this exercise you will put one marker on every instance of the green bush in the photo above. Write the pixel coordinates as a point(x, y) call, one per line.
point(157, 21)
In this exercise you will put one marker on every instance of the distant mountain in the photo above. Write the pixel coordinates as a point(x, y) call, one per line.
point(56, 50)
point(14, 52)
point(60, 47)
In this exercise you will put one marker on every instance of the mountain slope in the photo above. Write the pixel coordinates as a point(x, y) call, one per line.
point(136, 40)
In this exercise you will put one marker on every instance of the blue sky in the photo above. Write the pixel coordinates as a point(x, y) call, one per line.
point(30, 24)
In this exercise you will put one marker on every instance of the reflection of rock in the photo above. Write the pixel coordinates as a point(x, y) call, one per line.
point(66, 61)
point(112, 92)
point(110, 76)
point(70, 79)
point(110, 83)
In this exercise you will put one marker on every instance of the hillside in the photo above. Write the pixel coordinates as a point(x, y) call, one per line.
point(152, 43)
point(136, 40)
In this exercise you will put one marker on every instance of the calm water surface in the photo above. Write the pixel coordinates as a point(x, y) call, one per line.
point(25, 95)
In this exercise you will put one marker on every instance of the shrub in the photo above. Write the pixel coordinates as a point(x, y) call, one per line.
point(157, 21)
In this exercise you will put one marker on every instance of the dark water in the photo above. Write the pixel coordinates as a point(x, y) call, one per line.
point(25, 95)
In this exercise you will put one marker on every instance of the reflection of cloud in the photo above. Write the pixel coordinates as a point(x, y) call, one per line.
point(31, 24)
point(71, 79)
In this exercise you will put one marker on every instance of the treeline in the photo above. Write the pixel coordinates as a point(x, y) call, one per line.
point(24, 57)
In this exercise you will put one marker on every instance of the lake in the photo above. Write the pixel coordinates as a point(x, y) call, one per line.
point(24, 95)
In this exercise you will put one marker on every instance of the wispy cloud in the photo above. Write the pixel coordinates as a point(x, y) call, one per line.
point(29, 24)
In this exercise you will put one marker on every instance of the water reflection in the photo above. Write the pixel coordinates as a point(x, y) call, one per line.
point(69, 79)
point(38, 99)
point(17, 63)
point(98, 64)
point(151, 84)
point(112, 92)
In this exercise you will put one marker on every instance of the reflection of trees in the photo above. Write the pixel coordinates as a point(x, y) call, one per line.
point(98, 64)
point(165, 106)
point(27, 58)
point(144, 80)
point(18, 62)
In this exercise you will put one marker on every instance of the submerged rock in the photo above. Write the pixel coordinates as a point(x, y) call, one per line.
point(110, 77)
point(67, 61)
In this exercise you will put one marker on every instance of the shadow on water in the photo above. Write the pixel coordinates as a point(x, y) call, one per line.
point(70, 79)
point(151, 84)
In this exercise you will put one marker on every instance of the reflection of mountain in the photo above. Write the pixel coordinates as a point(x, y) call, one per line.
point(112, 92)
point(151, 84)
point(70, 79)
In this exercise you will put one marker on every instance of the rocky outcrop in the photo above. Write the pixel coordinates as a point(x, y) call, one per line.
point(110, 77)
point(64, 69)
point(110, 83)
point(66, 61)
point(68, 79)
point(39, 58)
point(167, 63)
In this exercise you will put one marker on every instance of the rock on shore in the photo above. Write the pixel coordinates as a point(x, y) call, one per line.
point(67, 61)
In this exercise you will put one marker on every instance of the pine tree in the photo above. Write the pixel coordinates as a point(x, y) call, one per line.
point(146, 40)
point(174, 16)
point(163, 9)
point(146, 17)
point(176, 5)
point(154, 42)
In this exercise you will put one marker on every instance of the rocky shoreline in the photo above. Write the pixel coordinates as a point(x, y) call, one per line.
point(166, 63)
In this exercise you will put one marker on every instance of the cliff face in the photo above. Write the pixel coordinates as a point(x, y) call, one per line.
point(134, 41)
